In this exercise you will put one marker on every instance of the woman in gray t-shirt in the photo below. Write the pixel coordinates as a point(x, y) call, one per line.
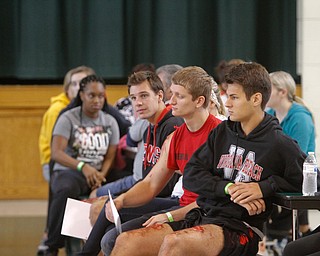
point(83, 147)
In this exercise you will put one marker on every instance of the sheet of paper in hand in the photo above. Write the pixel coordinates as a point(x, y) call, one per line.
point(115, 214)
point(76, 222)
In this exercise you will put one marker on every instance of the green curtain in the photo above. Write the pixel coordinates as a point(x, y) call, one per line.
point(43, 39)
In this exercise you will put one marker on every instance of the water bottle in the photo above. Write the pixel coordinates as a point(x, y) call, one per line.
point(310, 169)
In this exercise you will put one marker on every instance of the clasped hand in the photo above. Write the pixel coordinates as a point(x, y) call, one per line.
point(249, 196)
point(94, 178)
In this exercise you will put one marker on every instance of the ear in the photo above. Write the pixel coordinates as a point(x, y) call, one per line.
point(283, 92)
point(160, 93)
point(256, 99)
point(200, 101)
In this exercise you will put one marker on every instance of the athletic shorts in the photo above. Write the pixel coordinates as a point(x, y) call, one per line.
point(239, 239)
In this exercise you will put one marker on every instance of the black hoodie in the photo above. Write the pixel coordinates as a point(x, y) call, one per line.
point(266, 156)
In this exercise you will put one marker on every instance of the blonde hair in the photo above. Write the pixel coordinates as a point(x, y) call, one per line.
point(216, 99)
point(70, 73)
point(283, 80)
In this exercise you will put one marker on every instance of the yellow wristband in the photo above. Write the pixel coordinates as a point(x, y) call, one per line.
point(80, 166)
point(226, 188)
point(170, 218)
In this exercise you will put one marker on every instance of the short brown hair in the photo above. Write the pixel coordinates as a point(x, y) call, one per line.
point(139, 77)
point(254, 78)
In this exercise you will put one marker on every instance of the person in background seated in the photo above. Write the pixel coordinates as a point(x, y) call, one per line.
point(146, 92)
point(165, 73)
point(84, 143)
point(294, 116)
point(297, 122)
point(59, 102)
point(244, 161)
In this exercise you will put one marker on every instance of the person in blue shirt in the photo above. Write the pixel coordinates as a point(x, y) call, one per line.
point(295, 118)
point(297, 122)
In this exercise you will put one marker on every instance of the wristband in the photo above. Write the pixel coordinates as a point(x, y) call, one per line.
point(80, 166)
point(226, 188)
point(170, 218)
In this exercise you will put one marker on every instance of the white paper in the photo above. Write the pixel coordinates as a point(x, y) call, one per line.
point(76, 222)
point(115, 214)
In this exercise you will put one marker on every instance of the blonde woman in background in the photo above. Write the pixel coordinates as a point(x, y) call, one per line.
point(295, 118)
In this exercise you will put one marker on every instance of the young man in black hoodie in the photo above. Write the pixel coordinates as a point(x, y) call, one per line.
point(245, 161)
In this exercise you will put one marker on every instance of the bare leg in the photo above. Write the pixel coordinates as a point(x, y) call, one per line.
point(144, 241)
point(199, 240)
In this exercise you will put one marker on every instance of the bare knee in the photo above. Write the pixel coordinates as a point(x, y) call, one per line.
point(122, 240)
point(171, 240)
point(172, 245)
point(126, 244)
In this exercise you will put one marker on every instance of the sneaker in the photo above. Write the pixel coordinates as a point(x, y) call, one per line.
point(46, 251)
point(42, 248)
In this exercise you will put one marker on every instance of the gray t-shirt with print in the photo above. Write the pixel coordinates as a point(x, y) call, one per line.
point(88, 139)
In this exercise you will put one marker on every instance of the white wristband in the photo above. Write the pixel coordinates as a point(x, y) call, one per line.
point(169, 215)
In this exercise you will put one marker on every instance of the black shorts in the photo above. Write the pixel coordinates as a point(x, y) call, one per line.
point(239, 239)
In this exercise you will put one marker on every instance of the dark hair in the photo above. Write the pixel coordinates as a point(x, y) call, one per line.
point(224, 67)
point(83, 83)
point(153, 80)
point(254, 78)
point(89, 79)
